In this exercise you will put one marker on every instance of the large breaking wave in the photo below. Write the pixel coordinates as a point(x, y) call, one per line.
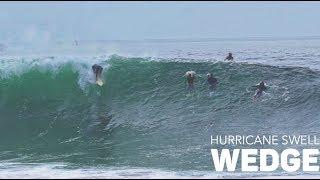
point(144, 116)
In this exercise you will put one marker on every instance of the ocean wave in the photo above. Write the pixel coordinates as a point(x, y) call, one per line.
point(52, 111)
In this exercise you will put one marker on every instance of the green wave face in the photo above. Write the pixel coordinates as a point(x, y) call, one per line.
point(144, 115)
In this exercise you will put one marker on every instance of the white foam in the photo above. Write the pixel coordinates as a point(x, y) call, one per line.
point(60, 170)
point(56, 170)
point(17, 66)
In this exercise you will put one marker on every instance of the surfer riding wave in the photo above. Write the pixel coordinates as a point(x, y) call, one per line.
point(97, 70)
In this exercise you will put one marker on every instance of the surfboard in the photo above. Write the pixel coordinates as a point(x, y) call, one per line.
point(99, 82)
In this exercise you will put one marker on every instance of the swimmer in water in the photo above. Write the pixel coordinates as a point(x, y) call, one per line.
point(261, 87)
point(190, 79)
point(229, 57)
point(212, 81)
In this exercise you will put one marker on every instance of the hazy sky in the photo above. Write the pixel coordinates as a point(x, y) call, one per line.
point(36, 21)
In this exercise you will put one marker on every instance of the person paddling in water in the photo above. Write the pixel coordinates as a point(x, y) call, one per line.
point(261, 87)
point(211, 81)
point(97, 70)
point(229, 57)
point(191, 76)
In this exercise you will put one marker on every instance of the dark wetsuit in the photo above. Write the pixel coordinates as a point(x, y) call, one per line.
point(97, 70)
point(260, 88)
point(212, 82)
point(229, 57)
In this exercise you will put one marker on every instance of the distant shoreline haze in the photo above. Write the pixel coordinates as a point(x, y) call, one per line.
point(135, 21)
point(177, 40)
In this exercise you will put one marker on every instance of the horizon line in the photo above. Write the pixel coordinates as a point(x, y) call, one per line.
point(203, 39)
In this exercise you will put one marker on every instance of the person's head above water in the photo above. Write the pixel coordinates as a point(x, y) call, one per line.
point(190, 74)
point(96, 66)
point(262, 83)
point(209, 75)
point(97, 69)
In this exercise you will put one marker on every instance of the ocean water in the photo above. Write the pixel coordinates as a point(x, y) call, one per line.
point(144, 123)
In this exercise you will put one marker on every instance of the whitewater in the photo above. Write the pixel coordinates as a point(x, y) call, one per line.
point(143, 123)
